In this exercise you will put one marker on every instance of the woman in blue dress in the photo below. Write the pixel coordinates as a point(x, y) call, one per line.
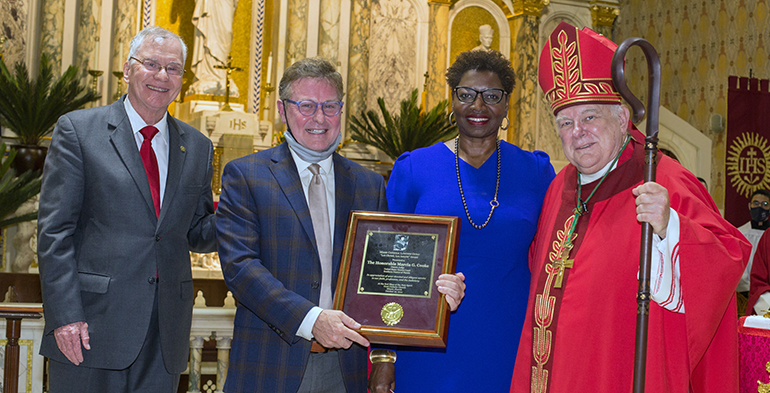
point(497, 189)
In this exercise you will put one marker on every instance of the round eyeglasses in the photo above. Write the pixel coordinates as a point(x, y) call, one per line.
point(468, 95)
point(764, 204)
point(308, 108)
point(153, 66)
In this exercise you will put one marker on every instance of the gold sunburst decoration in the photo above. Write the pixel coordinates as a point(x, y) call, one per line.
point(747, 163)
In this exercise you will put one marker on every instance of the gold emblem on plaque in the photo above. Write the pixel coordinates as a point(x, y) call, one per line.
point(392, 313)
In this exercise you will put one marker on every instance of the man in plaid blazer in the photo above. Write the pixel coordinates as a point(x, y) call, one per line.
point(283, 341)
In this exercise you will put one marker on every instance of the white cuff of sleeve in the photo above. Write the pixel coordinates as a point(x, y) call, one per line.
point(665, 279)
point(306, 327)
point(763, 303)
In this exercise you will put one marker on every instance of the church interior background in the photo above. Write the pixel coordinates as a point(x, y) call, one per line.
point(387, 48)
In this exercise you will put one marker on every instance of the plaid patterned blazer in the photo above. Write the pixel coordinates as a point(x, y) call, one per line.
point(271, 264)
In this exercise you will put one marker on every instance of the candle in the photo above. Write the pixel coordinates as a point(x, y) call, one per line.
point(269, 67)
point(96, 54)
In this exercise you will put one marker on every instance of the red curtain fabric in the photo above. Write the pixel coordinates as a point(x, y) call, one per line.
point(747, 161)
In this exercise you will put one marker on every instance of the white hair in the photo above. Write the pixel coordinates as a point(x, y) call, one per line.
point(157, 34)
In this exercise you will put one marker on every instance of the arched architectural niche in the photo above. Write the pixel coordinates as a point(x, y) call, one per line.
point(398, 51)
point(502, 27)
point(547, 139)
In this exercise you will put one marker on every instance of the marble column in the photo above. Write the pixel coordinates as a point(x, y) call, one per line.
point(223, 360)
point(196, 353)
point(438, 36)
point(603, 17)
point(358, 61)
point(296, 44)
point(524, 24)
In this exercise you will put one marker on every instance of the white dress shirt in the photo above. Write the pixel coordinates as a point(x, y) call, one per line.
point(327, 173)
point(159, 142)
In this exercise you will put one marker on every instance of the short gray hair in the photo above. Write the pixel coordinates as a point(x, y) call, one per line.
point(315, 68)
point(157, 34)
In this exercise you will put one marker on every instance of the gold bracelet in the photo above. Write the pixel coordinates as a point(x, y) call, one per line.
point(382, 356)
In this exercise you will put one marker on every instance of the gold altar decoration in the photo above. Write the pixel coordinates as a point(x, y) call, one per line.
point(176, 15)
point(119, 89)
point(602, 14)
point(529, 7)
point(764, 387)
point(230, 68)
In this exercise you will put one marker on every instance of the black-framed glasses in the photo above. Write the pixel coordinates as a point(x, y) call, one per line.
point(468, 95)
point(153, 66)
point(764, 204)
point(308, 108)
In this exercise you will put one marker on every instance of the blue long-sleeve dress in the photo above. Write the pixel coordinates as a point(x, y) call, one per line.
point(484, 331)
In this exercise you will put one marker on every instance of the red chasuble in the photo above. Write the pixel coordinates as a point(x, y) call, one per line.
point(580, 337)
point(760, 272)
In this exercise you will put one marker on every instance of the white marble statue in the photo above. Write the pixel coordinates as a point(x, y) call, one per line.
point(486, 34)
point(213, 20)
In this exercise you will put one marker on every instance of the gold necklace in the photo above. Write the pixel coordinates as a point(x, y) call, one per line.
point(494, 203)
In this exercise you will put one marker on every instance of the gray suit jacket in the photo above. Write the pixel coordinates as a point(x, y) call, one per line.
point(100, 245)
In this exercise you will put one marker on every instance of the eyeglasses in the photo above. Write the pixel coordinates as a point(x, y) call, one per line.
point(308, 108)
point(468, 95)
point(764, 204)
point(153, 66)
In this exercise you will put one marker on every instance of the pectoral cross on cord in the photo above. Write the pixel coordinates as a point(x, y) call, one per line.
point(563, 264)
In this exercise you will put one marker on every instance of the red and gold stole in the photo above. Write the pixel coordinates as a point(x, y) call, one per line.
point(554, 276)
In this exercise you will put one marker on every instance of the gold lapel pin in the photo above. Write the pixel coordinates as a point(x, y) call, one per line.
point(181, 148)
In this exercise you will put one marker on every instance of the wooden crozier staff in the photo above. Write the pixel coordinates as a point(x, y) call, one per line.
point(651, 150)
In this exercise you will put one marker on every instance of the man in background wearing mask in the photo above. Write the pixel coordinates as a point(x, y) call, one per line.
point(759, 208)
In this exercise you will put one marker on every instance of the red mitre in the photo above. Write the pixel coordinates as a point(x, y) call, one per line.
point(575, 69)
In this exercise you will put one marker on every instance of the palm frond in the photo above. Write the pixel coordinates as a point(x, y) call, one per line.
point(409, 130)
point(15, 190)
point(31, 107)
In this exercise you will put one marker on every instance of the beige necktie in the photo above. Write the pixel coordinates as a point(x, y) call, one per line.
point(319, 213)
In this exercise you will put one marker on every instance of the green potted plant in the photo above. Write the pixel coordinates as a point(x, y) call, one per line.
point(15, 190)
point(30, 107)
point(410, 130)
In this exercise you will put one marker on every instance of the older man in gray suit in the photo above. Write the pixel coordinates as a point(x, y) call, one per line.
point(126, 194)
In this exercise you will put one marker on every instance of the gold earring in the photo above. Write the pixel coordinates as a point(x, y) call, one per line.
point(452, 121)
point(507, 123)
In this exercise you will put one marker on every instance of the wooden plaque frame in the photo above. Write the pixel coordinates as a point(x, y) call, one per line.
point(385, 282)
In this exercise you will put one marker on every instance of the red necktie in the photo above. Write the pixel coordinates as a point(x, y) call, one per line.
point(151, 165)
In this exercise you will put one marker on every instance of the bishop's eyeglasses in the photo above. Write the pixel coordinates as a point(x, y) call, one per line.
point(308, 108)
point(468, 95)
point(153, 66)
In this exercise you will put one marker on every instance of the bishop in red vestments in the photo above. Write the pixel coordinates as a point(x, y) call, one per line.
point(578, 333)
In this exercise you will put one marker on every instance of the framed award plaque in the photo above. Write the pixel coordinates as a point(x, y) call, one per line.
point(390, 264)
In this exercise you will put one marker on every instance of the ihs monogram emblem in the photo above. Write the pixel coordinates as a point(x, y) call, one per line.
point(747, 163)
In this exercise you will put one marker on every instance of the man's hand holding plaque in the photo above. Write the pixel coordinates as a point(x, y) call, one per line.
point(397, 277)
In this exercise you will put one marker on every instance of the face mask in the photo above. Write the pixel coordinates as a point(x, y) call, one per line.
point(309, 155)
point(759, 214)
